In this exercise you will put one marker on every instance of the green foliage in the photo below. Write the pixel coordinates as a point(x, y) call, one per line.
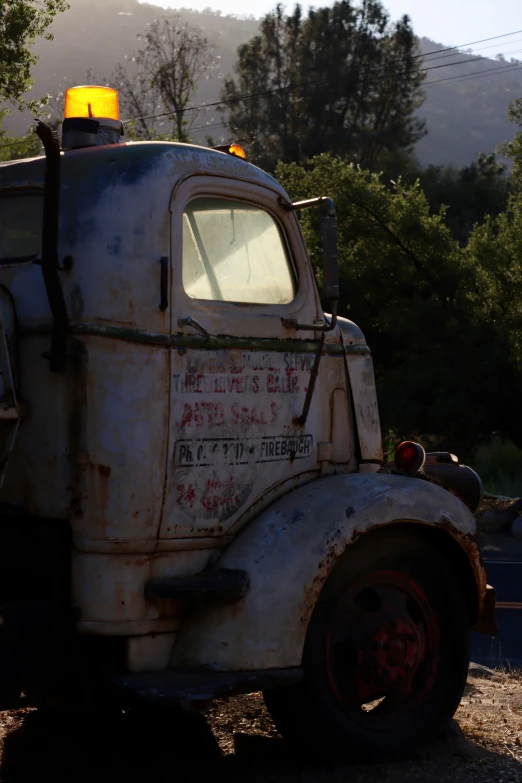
point(468, 194)
point(16, 148)
point(343, 80)
point(513, 149)
point(445, 367)
point(499, 464)
point(21, 22)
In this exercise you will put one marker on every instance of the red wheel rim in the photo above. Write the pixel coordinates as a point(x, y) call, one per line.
point(382, 648)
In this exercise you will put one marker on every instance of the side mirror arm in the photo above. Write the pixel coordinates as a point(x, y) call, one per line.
point(330, 261)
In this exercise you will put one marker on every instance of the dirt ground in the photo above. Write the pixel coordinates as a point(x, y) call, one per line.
point(238, 742)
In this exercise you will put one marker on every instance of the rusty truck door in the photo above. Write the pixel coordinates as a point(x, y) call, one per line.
point(239, 376)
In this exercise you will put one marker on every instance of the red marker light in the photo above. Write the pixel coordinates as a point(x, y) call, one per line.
point(410, 457)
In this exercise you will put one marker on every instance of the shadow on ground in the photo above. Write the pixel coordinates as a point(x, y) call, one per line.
point(154, 749)
point(233, 744)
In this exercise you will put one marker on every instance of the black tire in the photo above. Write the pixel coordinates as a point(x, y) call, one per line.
point(386, 653)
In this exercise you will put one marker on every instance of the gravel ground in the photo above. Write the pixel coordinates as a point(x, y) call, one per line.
point(238, 742)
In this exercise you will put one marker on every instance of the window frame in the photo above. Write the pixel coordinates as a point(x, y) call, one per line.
point(291, 266)
point(305, 305)
point(16, 193)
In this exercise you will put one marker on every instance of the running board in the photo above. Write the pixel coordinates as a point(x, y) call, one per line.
point(226, 584)
point(195, 690)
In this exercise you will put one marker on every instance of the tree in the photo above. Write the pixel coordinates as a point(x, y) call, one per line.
point(12, 148)
point(513, 149)
point(343, 80)
point(468, 194)
point(443, 322)
point(163, 77)
point(21, 22)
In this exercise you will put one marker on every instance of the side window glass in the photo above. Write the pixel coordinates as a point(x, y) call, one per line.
point(234, 252)
point(20, 226)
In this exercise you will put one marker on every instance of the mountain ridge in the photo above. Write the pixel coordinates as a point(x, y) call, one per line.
point(463, 117)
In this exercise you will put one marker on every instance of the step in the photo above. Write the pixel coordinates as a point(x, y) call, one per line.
point(195, 690)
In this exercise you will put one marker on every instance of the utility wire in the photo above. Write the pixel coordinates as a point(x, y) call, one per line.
point(493, 46)
point(289, 88)
point(468, 77)
point(249, 96)
point(245, 97)
point(17, 143)
point(476, 75)
point(472, 54)
point(327, 78)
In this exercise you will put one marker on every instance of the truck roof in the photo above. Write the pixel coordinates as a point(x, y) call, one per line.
point(131, 160)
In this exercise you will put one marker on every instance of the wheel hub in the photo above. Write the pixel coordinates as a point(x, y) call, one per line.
point(381, 638)
point(393, 655)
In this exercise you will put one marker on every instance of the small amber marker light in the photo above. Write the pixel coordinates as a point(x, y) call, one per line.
point(232, 149)
point(238, 151)
point(90, 101)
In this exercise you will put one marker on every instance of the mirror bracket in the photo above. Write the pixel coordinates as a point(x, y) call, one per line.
point(330, 264)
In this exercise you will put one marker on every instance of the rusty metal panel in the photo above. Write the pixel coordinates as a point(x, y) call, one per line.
point(149, 653)
point(232, 435)
point(364, 395)
point(363, 391)
point(289, 552)
point(109, 589)
point(232, 430)
point(119, 452)
point(342, 431)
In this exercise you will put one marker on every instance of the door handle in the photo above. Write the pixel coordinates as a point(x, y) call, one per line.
point(194, 324)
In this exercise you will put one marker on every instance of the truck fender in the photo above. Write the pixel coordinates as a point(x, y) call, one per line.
point(289, 551)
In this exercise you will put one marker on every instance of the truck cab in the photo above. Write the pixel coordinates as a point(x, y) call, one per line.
point(193, 502)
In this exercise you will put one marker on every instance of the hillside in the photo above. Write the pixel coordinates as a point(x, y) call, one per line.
point(463, 117)
point(466, 116)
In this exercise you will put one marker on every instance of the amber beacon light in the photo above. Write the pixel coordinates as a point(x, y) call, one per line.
point(92, 117)
point(97, 102)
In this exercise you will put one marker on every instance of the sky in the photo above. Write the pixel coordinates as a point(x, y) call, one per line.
point(454, 22)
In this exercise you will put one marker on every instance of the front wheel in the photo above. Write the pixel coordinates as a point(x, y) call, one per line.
point(386, 653)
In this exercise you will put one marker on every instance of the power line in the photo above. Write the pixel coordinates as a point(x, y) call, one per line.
point(290, 87)
point(250, 96)
point(472, 54)
point(327, 78)
point(476, 75)
point(435, 81)
point(483, 48)
point(468, 77)
point(18, 143)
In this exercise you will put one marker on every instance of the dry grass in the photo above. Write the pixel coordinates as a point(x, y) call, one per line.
point(238, 742)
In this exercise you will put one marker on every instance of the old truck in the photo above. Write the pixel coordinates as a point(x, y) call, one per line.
point(191, 502)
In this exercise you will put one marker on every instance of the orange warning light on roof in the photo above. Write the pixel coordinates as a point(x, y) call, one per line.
point(89, 101)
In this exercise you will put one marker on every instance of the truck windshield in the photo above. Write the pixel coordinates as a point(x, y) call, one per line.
point(20, 226)
point(234, 252)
